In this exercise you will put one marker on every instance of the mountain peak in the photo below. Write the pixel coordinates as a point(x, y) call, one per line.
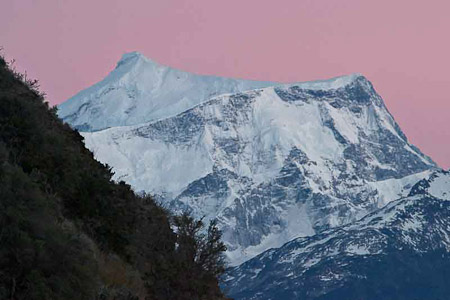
point(332, 83)
point(141, 90)
point(133, 57)
point(131, 54)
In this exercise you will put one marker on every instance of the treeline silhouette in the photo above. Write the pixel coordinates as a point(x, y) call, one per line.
point(67, 231)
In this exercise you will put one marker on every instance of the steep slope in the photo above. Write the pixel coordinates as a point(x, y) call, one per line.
point(271, 164)
point(67, 231)
point(437, 184)
point(140, 90)
point(401, 251)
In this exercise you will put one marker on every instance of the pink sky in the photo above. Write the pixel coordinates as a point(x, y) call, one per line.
point(402, 46)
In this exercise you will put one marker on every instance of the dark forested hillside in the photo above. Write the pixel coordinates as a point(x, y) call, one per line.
point(67, 231)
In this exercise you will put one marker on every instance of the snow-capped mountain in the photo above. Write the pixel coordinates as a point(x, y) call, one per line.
point(271, 164)
point(140, 90)
point(401, 251)
point(437, 184)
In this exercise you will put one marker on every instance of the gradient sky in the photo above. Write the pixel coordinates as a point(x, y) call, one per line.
point(402, 46)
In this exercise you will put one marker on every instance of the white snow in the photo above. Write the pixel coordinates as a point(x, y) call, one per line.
point(329, 84)
point(440, 186)
point(298, 226)
point(414, 223)
point(393, 188)
point(148, 165)
point(357, 250)
point(345, 122)
point(140, 90)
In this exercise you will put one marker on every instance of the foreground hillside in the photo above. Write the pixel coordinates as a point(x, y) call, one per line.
point(67, 231)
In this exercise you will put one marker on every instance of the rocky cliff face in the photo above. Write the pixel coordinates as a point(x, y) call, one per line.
point(271, 164)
